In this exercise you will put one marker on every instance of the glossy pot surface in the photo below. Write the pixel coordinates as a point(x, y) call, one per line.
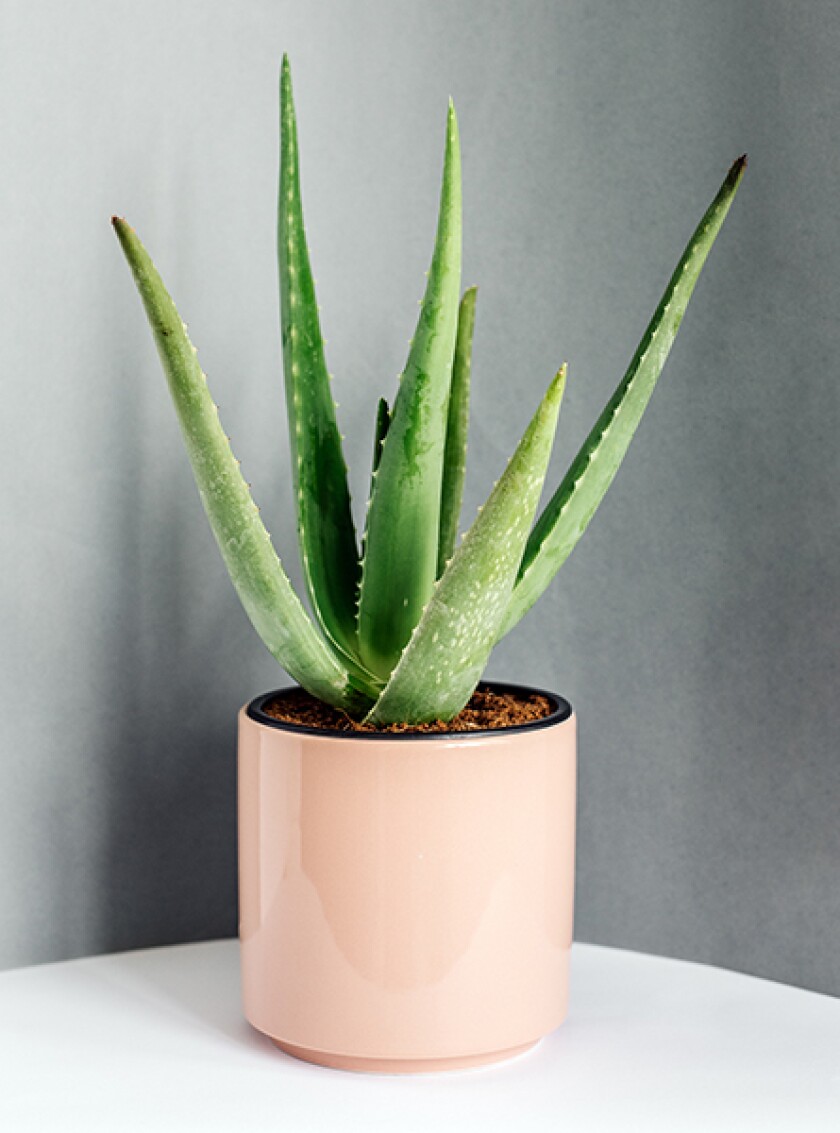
point(406, 901)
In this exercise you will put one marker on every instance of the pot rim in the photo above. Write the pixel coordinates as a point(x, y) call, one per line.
point(561, 711)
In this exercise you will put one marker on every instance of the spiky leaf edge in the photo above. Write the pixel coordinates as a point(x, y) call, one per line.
point(326, 534)
point(568, 512)
point(448, 651)
point(399, 567)
point(457, 424)
point(255, 570)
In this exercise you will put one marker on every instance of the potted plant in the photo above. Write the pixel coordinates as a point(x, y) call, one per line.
point(406, 834)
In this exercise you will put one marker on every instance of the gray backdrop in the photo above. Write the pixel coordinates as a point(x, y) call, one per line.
point(696, 628)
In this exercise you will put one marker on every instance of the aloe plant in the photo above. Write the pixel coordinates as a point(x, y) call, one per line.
point(403, 627)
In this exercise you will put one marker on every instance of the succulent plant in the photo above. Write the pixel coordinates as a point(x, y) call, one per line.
point(406, 627)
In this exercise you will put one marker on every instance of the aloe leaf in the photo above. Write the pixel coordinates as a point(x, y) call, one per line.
point(447, 654)
point(380, 428)
point(569, 511)
point(455, 453)
point(325, 524)
point(403, 523)
point(383, 420)
point(256, 572)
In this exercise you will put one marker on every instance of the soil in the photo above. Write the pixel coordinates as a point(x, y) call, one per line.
point(484, 710)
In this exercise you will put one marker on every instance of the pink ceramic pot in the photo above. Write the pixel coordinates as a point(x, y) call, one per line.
point(406, 900)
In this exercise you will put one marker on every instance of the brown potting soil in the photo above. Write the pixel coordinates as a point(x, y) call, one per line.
point(484, 710)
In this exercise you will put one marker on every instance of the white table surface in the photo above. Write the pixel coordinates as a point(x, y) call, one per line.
point(155, 1040)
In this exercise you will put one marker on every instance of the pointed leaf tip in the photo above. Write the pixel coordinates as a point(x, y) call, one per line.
point(737, 171)
point(285, 84)
point(125, 233)
point(558, 384)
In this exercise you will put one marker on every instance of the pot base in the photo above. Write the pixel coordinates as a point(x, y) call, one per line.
point(400, 1065)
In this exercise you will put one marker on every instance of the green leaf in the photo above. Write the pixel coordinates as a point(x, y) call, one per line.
point(325, 524)
point(569, 511)
point(403, 525)
point(380, 429)
point(256, 572)
point(448, 651)
point(383, 420)
point(455, 454)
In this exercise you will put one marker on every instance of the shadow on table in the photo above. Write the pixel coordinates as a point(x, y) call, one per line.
point(197, 983)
